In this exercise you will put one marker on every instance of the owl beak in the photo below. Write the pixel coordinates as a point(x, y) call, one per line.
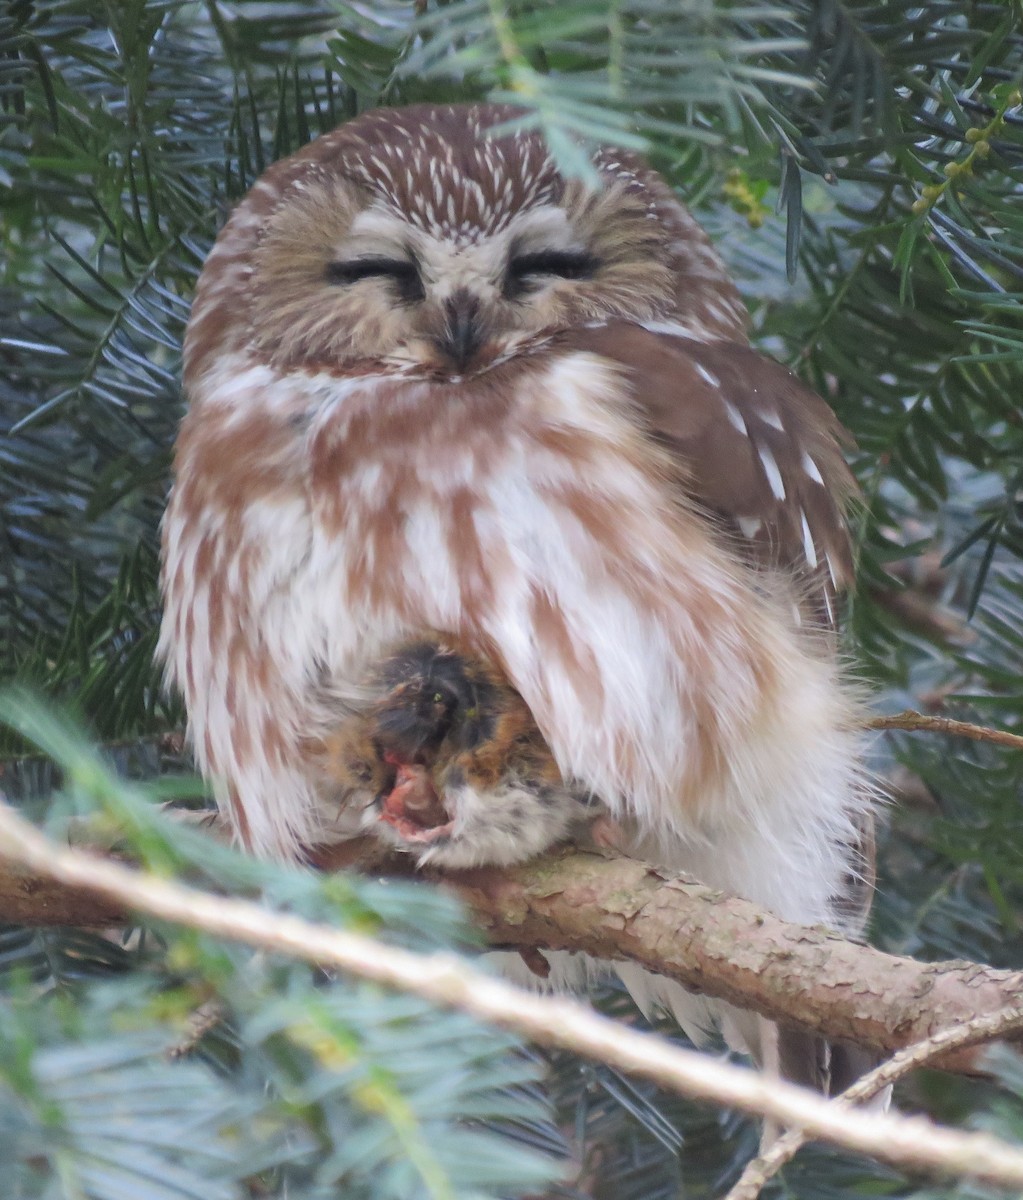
point(464, 329)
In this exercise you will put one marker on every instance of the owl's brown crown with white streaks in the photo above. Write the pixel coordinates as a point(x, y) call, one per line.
point(431, 239)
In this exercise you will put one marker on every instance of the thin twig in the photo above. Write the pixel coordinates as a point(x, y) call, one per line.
point(917, 722)
point(202, 1021)
point(910, 1143)
point(970, 1033)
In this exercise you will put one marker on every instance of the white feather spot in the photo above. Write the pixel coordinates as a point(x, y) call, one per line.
point(809, 549)
point(750, 526)
point(770, 417)
point(810, 467)
point(735, 417)
point(832, 572)
point(707, 376)
point(770, 464)
point(676, 329)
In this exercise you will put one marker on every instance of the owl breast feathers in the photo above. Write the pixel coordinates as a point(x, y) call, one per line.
point(435, 385)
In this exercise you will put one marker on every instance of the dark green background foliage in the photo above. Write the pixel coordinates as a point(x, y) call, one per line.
point(860, 166)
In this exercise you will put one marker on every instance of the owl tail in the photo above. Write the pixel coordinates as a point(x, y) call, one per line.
point(805, 1059)
point(813, 1062)
point(827, 1067)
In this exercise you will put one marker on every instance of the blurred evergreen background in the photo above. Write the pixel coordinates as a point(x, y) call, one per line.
point(860, 166)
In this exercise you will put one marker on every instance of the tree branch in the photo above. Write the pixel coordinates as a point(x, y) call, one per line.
point(908, 1143)
point(620, 909)
point(916, 722)
point(727, 947)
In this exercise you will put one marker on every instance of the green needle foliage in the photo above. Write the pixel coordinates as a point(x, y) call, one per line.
point(860, 165)
point(303, 1085)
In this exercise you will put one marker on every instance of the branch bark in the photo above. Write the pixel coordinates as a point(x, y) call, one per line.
point(620, 909)
point(726, 947)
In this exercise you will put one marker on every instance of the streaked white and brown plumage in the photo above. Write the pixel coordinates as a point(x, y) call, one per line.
point(435, 386)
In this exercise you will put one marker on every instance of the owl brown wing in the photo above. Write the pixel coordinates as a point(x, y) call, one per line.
point(762, 453)
point(759, 450)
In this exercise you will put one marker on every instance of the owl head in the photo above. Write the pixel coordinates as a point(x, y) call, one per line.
point(434, 239)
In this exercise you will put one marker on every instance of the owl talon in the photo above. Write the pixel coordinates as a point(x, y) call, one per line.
point(607, 834)
point(536, 961)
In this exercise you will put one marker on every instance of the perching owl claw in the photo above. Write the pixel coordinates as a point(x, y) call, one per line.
point(437, 386)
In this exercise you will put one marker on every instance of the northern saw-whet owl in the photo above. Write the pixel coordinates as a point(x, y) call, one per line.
point(438, 388)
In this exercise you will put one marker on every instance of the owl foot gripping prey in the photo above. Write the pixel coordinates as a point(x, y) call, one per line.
point(435, 385)
point(445, 762)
